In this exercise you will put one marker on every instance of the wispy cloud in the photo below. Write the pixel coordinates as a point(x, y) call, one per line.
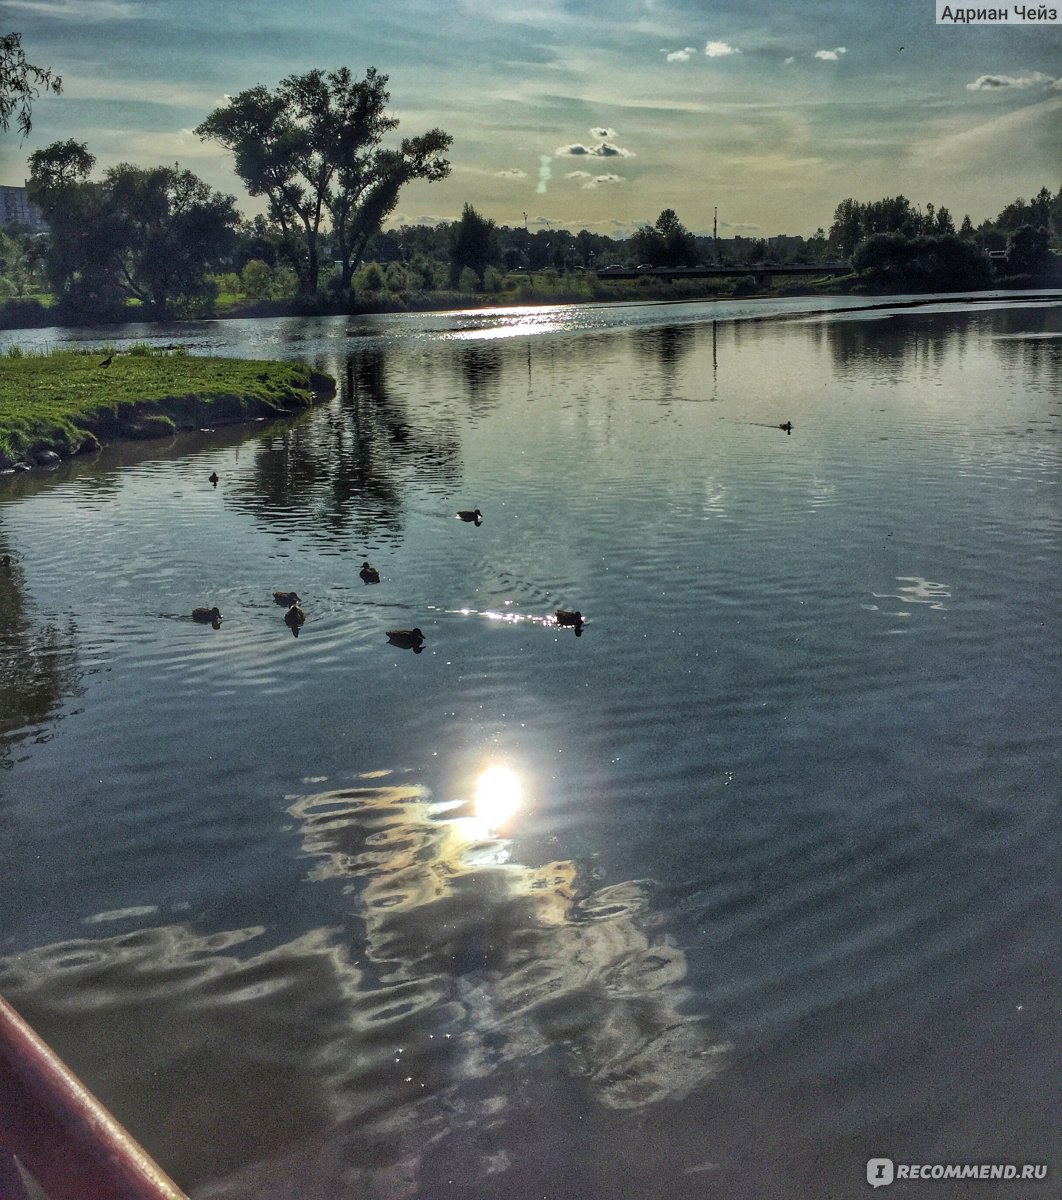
point(683, 55)
point(590, 182)
point(601, 150)
point(1029, 79)
point(511, 173)
point(79, 10)
point(720, 50)
point(790, 59)
point(601, 132)
point(831, 55)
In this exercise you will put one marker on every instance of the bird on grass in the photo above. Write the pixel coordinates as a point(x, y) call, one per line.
point(570, 620)
point(207, 616)
point(369, 573)
point(107, 361)
point(295, 618)
point(213, 478)
point(286, 598)
point(471, 514)
point(408, 639)
point(788, 426)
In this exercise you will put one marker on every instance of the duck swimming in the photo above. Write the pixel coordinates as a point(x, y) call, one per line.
point(286, 598)
point(369, 573)
point(408, 639)
point(471, 514)
point(571, 620)
point(294, 618)
point(207, 616)
point(788, 426)
point(213, 477)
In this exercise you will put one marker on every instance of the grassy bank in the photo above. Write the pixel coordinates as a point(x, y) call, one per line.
point(64, 402)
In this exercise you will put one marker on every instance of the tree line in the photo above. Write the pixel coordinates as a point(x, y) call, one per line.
point(313, 148)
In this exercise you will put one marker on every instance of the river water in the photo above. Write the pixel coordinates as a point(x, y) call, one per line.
point(751, 882)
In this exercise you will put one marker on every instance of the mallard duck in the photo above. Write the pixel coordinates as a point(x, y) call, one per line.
point(286, 598)
point(369, 573)
point(788, 426)
point(408, 639)
point(471, 514)
point(567, 617)
point(207, 616)
point(213, 477)
point(294, 617)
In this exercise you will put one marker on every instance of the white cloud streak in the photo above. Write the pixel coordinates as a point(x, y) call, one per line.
point(720, 50)
point(683, 55)
point(831, 55)
point(995, 83)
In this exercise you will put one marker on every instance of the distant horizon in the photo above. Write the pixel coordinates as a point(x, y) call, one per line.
point(594, 119)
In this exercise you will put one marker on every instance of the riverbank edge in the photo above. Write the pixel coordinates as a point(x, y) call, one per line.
point(87, 431)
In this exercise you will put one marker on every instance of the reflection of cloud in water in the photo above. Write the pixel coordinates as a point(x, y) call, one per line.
point(529, 963)
point(352, 1061)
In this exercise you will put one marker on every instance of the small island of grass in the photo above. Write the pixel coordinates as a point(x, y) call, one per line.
point(65, 402)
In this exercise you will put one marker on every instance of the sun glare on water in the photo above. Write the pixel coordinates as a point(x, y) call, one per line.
point(498, 796)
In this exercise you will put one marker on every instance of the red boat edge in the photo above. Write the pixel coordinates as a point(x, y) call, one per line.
point(60, 1134)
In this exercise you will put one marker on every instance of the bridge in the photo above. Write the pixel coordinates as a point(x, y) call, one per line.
point(762, 271)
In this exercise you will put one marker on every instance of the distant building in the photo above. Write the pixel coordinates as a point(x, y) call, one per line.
point(15, 208)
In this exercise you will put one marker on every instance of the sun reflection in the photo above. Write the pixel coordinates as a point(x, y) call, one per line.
point(498, 796)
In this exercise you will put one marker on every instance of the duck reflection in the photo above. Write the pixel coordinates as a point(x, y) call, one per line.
point(524, 957)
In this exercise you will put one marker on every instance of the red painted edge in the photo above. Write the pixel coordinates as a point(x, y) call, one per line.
point(71, 1145)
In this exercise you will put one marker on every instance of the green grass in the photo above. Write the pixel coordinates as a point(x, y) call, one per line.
point(64, 400)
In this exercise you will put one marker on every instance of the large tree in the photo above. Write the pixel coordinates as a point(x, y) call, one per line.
point(143, 233)
point(312, 148)
point(21, 83)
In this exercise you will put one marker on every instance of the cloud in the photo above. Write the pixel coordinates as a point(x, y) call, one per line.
point(601, 150)
point(79, 10)
point(790, 59)
point(994, 83)
point(720, 50)
point(511, 173)
point(601, 133)
point(590, 182)
point(831, 55)
point(682, 55)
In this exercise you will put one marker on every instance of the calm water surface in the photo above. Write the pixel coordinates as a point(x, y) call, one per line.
point(771, 884)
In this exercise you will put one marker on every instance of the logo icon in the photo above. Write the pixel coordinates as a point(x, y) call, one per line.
point(880, 1172)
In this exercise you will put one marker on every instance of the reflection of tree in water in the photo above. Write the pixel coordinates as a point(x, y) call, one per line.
point(479, 365)
point(345, 468)
point(894, 346)
point(667, 345)
point(38, 666)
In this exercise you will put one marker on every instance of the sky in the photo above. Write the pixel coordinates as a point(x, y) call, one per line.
point(587, 114)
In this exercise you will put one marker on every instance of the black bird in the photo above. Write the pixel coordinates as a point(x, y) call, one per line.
point(214, 478)
point(408, 639)
point(571, 620)
point(287, 599)
point(788, 426)
point(107, 361)
point(294, 619)
point(471, 514)
point(369, 573)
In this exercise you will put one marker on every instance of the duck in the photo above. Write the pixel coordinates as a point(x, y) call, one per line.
point(207, 616)
point(788, 426)
point(408, 639)
point(287, 599)
point(294, 618)
point(213, 477)
point(107, 361)
point(573, 620)
point(369, 573)
point(471, 514)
